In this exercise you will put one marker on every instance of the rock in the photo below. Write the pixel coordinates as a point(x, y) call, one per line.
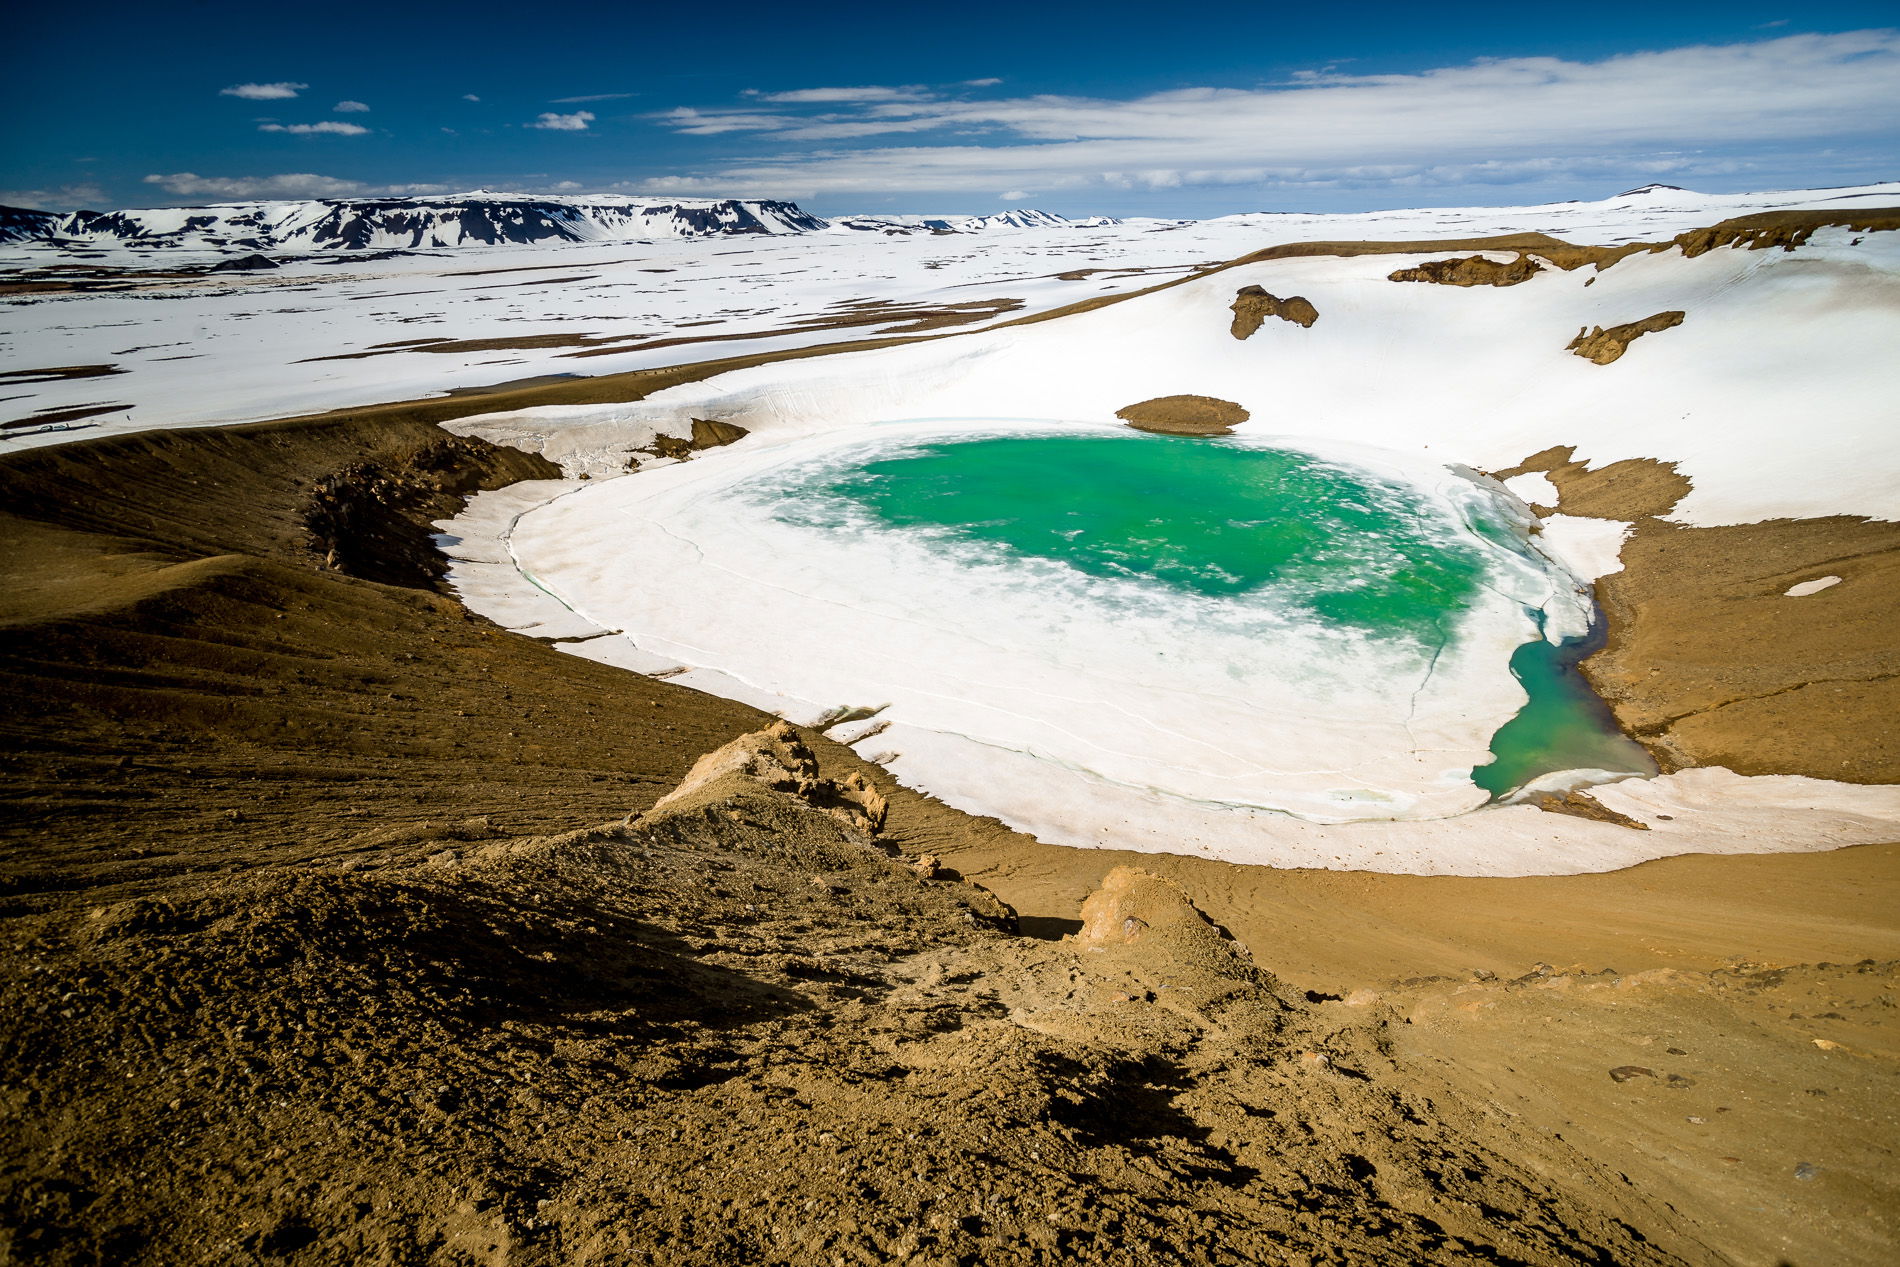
point(244, 264)
point(1253, 305)
point(1807, 1171)
point(1623, 1073)
point(1601, 346)
point(709, 433)
point(1471, 270)
point(773, 760)
point(927, 867)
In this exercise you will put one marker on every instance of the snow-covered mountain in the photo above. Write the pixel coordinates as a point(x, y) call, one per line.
point(1021, 218)
point(17, 224)
point(480, 218)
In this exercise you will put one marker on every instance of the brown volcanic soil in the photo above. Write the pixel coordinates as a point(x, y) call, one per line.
point(309, 963)
point(329, 942)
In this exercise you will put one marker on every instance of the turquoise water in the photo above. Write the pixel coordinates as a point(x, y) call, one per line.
point(1564, 726)
point(1209, 518)
point(1379, 560)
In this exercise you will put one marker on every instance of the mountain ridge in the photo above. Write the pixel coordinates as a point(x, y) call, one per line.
point(477, 218)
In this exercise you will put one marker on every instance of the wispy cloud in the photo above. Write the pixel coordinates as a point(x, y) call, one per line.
point(711, 123)
point(350, 107)
point(824, 96)
point(469, 96)
point(263, 92)
point(981, 83)
point(1689, 110)
point(576, 122)
point(289, 185)
point(62, 198)
point(596, 96)
point(329, 127)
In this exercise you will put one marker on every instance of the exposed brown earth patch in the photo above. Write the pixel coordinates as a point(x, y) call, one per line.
point(57, 374)
point(1253, 305)
point(897, 320)
point(1471, 270)
point(1601, 346)
point(1710, 663)
point(1184, 415)
point(1630, 489)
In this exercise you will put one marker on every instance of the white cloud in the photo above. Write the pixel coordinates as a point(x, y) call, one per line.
point(597, 96)
point(981, 83)
point(566, 186)
point(349, 107)
point(263, 92)
point(1013, 195)
point(825, 96)
point(63, 198)
point(469, 96)
point(292, 185)
point(702, 123)
point(1683, 111)
point(576, 122)
point(329, 127)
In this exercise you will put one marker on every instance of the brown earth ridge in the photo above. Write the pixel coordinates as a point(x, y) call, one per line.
point(343, 926)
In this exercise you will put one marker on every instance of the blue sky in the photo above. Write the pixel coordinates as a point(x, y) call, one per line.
point(1114, 108)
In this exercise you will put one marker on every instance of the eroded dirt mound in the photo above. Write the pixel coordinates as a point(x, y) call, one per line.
point(1184, 415)
point(734, 1030)
point(1601, 346)
point(1253, 305)
point(1470, 270)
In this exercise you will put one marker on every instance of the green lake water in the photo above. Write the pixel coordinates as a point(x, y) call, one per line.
point(1377, 559)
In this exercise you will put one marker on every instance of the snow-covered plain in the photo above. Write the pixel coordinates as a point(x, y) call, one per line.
point(232, 347)
point(1775, 396)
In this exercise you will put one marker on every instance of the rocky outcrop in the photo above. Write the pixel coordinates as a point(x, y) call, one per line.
point(775, 767)
point(1471, 270)
point(1140, 909)
point(709, 433)
point(1184, 415)
point(375, 518)
point(1253, 305)
point(1784, 229)
point(1602, 346)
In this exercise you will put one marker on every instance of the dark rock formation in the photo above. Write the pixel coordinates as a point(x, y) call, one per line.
point(1603, 346)
point(1253, 305)
point(1471, 270)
